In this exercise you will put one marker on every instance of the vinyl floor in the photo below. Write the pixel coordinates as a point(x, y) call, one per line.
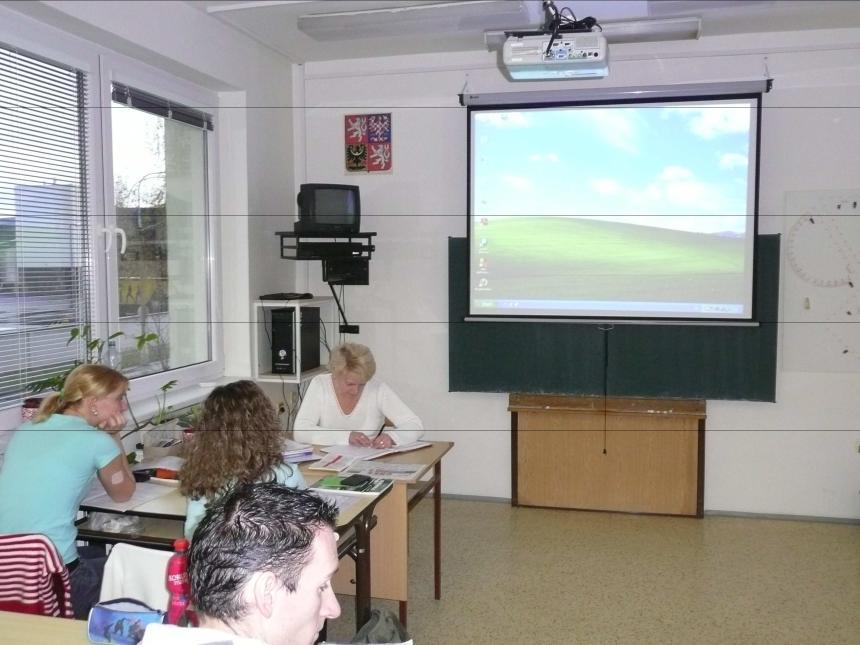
point(520, 575)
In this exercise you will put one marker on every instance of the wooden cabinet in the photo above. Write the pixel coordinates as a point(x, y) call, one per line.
point(631, 455)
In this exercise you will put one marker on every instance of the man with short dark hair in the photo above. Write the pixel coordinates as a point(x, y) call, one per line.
point(260, 567)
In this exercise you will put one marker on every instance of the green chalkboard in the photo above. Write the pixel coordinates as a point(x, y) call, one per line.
point(626, 360)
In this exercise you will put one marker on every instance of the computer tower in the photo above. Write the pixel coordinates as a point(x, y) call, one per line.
point(283, 354)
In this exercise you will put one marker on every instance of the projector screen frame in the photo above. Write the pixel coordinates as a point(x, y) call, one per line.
point(621, 98)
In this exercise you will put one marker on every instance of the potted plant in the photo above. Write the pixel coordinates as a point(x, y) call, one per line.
point(94, 349)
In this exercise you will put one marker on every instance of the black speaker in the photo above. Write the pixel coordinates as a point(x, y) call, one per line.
point(283, 355)
point(346, 271)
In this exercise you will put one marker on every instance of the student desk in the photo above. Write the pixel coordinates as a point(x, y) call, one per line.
point(390, 539)
point(165, 517)
point(41, 630)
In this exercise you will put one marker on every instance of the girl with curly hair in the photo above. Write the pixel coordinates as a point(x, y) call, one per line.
point(238, 441)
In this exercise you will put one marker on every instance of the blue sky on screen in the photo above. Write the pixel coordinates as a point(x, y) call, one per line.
point(672, 162)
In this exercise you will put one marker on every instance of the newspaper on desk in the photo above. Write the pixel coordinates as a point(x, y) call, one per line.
point(401, 472)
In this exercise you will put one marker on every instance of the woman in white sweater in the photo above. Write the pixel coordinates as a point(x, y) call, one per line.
point(350, 406)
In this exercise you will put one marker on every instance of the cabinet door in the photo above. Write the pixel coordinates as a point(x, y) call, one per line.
point(560, 459)
point(652, 464)
point(640, 463)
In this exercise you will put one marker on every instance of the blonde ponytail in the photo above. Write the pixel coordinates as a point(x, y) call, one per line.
point(82, 382)
point(50, 405)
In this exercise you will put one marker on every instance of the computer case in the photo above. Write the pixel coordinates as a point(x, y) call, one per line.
point(283, 354)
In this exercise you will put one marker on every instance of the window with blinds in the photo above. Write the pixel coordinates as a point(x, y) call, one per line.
point(44, 250)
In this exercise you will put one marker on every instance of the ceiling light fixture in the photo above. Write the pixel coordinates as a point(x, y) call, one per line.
point(444, 17)
point(642, 31)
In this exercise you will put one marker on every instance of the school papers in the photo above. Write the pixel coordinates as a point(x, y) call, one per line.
point(339, 458)
point(345, 502)
point(144, 492)
point(360, 452)
point(333, 462)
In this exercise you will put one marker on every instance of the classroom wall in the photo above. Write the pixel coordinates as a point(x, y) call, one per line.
point(798, 456)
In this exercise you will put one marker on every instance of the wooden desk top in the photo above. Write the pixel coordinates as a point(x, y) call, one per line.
point(41, 630)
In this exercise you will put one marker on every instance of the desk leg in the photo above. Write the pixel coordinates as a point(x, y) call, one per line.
point(403, 613)
point(437, 530)
point(362, 570)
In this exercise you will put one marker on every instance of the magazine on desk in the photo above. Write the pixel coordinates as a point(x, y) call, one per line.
point(343, 484)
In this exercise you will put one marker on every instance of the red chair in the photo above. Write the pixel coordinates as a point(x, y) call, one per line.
point(33, 578)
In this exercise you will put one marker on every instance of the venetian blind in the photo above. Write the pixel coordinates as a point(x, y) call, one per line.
point(44, 241)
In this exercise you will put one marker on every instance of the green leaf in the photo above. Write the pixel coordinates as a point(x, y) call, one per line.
point(168, 385)
point(143, 339)
point(115, 334)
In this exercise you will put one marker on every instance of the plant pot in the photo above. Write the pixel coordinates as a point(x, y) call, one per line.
point(30, 406)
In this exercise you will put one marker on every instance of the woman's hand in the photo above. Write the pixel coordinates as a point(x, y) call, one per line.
point(112, 424)
point(359, 439)
point(383, 441)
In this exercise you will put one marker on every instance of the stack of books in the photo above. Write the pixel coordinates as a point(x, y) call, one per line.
point(295, 452)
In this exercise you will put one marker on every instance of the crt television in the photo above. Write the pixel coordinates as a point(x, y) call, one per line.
point(328, 208)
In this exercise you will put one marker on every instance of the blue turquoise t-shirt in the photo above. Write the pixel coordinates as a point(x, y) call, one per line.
point(285, 474)
point(48, 469)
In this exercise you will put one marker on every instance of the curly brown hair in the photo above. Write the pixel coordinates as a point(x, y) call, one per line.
point(238, 441)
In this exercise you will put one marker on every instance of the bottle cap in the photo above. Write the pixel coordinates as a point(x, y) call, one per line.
point(180, 545)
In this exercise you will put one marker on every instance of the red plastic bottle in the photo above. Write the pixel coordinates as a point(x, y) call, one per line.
point(177, 583)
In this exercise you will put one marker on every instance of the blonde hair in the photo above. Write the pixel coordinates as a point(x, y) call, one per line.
point(238, 441)
point(352, 358)
point(82, 382)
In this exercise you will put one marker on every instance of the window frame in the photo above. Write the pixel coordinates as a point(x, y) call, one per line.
point(101, 66)
point(117, 68)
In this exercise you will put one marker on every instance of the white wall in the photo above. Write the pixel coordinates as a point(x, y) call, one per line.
point(254, 131)
point(796, 456)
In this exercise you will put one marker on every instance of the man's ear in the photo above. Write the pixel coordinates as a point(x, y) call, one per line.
point(263, 588)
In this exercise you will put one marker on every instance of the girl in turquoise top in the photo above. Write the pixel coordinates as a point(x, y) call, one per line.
point(51, 463)
point(238, 441)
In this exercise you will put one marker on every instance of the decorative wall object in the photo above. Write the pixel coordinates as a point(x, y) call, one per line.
point(367, 139)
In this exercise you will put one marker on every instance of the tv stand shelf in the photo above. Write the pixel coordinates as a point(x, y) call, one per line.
point(326, 246)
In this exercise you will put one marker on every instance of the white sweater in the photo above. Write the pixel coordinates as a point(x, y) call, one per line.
point(321, 421)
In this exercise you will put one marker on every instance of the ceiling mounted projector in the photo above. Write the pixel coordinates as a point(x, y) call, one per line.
point(578, 55)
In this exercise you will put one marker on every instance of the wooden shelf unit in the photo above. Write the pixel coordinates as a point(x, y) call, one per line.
point(596, 453)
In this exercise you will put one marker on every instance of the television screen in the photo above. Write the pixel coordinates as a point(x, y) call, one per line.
point(325, 208)
point(614, 210)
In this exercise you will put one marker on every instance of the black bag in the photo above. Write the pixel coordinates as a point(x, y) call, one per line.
point(382, 627)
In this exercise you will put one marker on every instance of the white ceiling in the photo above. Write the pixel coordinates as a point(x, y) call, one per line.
point(458, 27)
